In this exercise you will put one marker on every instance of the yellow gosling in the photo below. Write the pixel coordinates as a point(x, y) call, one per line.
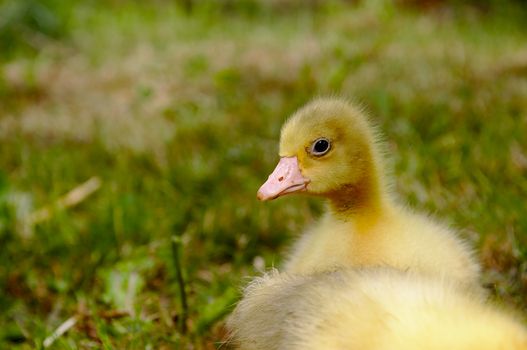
point(329, 148)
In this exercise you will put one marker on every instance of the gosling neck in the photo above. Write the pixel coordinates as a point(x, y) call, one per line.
point(362, 202)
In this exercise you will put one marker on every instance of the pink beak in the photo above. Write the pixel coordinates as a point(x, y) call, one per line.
point(286, 178)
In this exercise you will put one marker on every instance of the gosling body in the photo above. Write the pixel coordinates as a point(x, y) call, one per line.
point(369, 309)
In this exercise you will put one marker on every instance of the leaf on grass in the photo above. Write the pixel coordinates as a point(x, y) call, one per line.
point(216, 310)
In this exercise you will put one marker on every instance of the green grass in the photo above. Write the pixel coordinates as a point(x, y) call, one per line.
point(179, 116)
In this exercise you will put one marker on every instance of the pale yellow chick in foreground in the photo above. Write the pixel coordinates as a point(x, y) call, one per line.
point(369, 309)
point(329, 148)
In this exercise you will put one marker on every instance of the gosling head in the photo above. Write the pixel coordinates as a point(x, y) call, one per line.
point(327, 148)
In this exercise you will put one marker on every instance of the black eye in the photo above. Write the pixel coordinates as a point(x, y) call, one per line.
point(320, 147)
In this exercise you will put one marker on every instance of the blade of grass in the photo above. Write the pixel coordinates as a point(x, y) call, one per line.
point(70, 199)
point(182, 320)
point(63, 328)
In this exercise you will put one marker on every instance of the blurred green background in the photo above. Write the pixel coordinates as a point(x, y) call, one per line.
point(163, 118)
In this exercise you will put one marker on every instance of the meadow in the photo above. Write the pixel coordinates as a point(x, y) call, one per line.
point(133, 138)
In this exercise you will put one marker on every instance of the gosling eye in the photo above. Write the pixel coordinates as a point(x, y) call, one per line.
point(320, 147)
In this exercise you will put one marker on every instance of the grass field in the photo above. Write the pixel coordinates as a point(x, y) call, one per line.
point(175, 118)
